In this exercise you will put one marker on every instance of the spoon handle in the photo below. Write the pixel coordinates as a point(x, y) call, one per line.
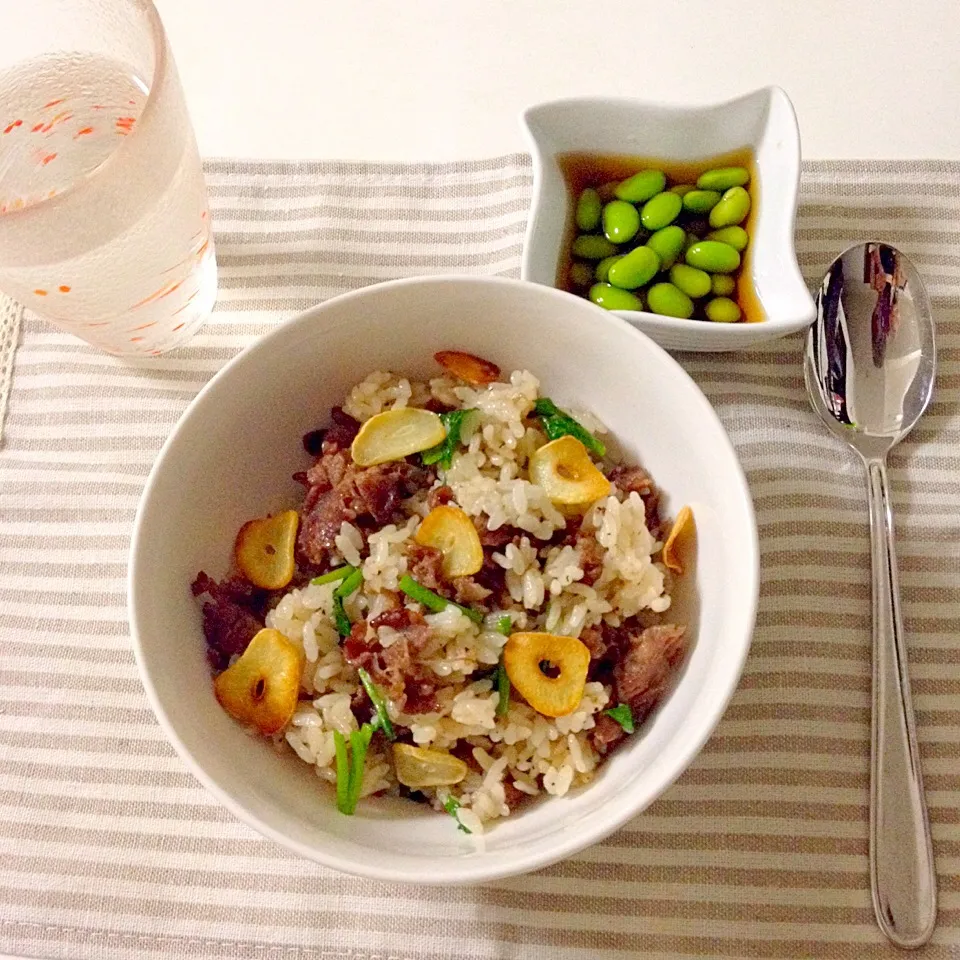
point(902, 875)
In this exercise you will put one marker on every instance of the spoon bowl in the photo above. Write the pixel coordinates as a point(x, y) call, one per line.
point(871, 381)
point(870, 365)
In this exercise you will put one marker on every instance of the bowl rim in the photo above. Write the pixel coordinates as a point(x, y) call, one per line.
point(461, 871)
point(670, 326)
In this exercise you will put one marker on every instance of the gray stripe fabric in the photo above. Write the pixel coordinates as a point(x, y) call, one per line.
point(11, 314)
point(110, 849)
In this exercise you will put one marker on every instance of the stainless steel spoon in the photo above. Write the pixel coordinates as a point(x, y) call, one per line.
point(870, 365)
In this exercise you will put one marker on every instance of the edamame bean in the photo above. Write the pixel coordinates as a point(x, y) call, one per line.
point(723, 178)
point(620, 221)
point(682, 189)
point(693, 282)
point(588, 210)
point(589, 247)
point(603, 267)
point(667, 244)
point(613, 298)
point(735, 236)
point(722, 310)
point(634, 269)
point(713, 256)
point(661, 210)
point(733, 208)
point(580, 275)
point(667, 300)
point(722, 285)
point(700, 201)
point(641, 186)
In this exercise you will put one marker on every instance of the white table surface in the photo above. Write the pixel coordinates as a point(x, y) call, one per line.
point(445, 79)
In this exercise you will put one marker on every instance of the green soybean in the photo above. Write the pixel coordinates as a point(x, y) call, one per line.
point(621, 221)
point(713, 256)
point(589, 247)
point(682, 189)
point(634, 269)
point(723, 178)
point(603, 267)
point(700, 201)
point(733, 208)
point(613, 298)
point(722, 285)
point(735, 236)
point(668, 300)
point(580, 275)
point(722, 310)
point(588, 210)
point(641, 186)
point(661, 210)
point(693, 282)
point(692, 238)
point(667, 244)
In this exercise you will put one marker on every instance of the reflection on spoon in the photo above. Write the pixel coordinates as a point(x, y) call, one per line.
point(870, 365)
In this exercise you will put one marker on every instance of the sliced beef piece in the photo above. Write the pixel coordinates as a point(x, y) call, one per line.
point(361, 707)
point(234, 587)
point(638, 660)
point(338, 436)
point(606, 734)
point(357, 650)
point(328, 471)
point(512, 796)
point(320, 523)
point(420, 696)
point(229, 623)
point(469, 592)
point(343, 492)
point(645, 666)
point(493, 577)
point(462, 749)
point(632, 479)
point(376, 491)
point(425, 565)
point(567, 535)
point(396, 669)
point(399, 618)
point(591, 557)
point(611, 647)
point(439, 497)
point(592, 639)
point(342, 431)
point(437, 406)
point(496, 538)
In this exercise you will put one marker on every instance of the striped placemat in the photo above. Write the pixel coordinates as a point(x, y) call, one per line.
point(110, 849)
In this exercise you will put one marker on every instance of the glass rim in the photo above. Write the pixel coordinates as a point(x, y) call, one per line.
point(158, 37)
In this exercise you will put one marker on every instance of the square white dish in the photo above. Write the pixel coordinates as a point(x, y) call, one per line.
point(763, 122)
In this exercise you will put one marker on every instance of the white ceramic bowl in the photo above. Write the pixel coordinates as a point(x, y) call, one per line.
point(763, 120)
point(231, 458)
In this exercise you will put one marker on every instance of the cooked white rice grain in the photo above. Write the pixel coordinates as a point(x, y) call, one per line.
point(378, 392)
point(535, 754)
point(349, 542)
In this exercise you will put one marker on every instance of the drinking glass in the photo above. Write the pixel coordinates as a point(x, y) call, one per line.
point(104, 224)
